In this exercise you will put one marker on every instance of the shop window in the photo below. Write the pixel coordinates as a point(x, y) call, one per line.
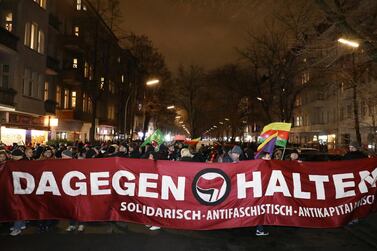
point(4, 76)
point(73, 99)
point(45, 91)
point(9, 21)
point(66, 98)
point(75, 63)
point(58, 95)
point(77, 31)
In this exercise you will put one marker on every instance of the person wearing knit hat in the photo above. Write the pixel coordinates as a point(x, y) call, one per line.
point(235, 153)
point(354, 152)
point(67, 154)
point(17, 154)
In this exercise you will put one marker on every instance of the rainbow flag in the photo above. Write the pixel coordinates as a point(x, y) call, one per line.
point(278, 130)
point(267, 146)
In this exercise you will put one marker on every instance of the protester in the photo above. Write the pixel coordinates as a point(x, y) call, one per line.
point(235, 153)
point(294, 155)
point(354, 152)
point(18, 226)
point(3, 157)
point(28, 154)
point(73, 225)
point(47, 154)
point(225, 157)
point(186, 155)
point(260, 229)
point(134, 151)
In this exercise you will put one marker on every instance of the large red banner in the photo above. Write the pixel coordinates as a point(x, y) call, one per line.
point(190, 195)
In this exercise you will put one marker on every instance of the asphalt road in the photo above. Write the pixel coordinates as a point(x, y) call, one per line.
point(107, 236)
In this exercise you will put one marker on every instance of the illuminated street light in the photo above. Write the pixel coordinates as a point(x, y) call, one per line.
point(214, 126)
point(170, 107)
point(350, 43)
point(221, 123)
point(226, 119)
point(153, 82)
point(260, 99)
point(181, 122)
point(178, 117)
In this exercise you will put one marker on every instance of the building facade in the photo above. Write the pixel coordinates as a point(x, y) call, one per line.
point(61, 69)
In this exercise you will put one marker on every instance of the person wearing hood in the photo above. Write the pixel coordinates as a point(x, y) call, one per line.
point(123, 150)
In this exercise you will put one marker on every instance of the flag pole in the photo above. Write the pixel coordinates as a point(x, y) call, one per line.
point(282, 156)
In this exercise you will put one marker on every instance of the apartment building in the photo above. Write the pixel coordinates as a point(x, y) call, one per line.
point(61, 69)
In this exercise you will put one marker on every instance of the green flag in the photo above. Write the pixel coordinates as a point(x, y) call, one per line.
point(156, 139)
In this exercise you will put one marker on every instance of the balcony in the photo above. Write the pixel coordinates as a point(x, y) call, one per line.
point(50, 106)
point(8, 39)
point(54, 21)
point(7, 96)
point(72, 77)
point(71, 114)
point(53, 66)
point(73, 43)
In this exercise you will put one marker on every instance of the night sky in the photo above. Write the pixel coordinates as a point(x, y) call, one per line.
point(187, 33)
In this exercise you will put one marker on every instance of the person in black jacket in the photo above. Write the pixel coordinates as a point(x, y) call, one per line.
point(354, 152)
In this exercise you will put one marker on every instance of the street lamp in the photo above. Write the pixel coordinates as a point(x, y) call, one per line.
point(170, 107)
point(260, 99)
point(153, 82)
point(350, 43)
point(354, 45)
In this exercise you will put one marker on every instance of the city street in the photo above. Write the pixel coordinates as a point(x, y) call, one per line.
point(106, 236)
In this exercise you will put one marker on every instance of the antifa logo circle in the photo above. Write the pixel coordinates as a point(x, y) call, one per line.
point(211, 186)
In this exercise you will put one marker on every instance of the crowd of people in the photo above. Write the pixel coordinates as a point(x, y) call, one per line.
point(176, 151)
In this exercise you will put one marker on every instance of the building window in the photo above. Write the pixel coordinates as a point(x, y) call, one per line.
point(299, 121)
point(34, 38)
point(58, 96)
point(41, 42)
point(73, 99)
point(86, 70)
point(111, 87)
point(75, 63)
point(349, 111)
point(9, 21)
point(45, 95)
point(41, 3)
point(66, 98)
point(102, 84)
point(90, 106)
point(4, 76)
point(78, 5)
point(77, 31)
point(111, 112)
point(84, 102)
point(91, 72)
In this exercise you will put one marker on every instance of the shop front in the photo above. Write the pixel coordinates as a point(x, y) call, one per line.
point(23, 129)
point(105, 133)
